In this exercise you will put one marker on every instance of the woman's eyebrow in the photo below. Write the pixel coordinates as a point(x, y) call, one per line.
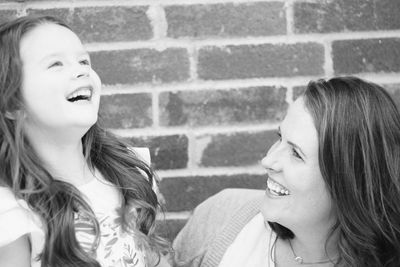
point(293, 144)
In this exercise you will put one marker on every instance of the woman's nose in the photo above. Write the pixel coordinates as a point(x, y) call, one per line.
point(272, 159)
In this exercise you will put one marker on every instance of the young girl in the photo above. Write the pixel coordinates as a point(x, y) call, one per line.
point(71, 193)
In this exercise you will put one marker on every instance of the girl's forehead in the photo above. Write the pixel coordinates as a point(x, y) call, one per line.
point(46, 39)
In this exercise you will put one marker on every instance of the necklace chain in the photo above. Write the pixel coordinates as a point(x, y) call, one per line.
point(300, 260)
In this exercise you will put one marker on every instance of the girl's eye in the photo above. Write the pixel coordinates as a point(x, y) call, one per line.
point(55, 64)
point(85, 62)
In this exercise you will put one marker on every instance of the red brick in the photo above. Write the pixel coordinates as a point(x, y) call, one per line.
point(167, 152)
point(372, 55)
point(185, 193)
point(250, 19)
point(141, 66)
point(126, 110)
point(257, 61)
point(169, 229)
point(239, 149)
point(394, 90)
point(347, 15)
point(112, 24)
point(62, 13)
point(221, 107)
point(104, 24)
point(6, 15)
point(298, 91)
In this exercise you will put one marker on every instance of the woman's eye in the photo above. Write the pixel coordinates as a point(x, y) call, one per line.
point(55, 64)
point(85, 62)
point(279, 136)
point(296, 154)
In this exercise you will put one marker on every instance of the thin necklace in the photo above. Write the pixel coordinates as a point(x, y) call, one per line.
point(300, 260)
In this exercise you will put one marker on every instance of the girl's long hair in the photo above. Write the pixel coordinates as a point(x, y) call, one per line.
point(358, 127)
point(58, 202)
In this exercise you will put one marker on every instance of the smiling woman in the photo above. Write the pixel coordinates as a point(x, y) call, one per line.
point(332, 195)
point(72, 194)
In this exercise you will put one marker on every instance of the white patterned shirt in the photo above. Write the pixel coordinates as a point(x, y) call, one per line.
point(116, 248)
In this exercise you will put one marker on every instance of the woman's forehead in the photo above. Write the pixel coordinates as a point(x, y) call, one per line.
point(298, 127)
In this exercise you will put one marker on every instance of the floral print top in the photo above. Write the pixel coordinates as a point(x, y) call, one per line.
point(116, 248)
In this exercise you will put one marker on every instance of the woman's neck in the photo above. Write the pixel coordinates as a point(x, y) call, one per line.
point(314, 248)
point(313, 245)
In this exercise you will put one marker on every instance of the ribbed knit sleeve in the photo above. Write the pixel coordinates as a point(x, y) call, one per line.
point(214, 225)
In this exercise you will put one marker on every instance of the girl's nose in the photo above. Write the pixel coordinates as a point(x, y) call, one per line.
point(81, 71)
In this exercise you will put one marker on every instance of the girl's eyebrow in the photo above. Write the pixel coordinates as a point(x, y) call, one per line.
point(59, 54)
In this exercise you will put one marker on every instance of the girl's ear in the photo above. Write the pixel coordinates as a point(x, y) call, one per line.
point(10, 115)
point(13, 115)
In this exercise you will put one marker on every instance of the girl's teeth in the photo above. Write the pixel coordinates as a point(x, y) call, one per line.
point(83, 92)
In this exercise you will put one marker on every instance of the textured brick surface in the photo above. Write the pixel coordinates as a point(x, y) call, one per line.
point(372, 55)
point(254, 19)
point(394, 90)
point(169, 228)
point(196, 108)
point(62, 13)
point(185, 193)
point(141, 66)
point(126, 110)
point(167, 152)
point(238, 149)
point(255, 61)
point(104, 24)
point(347, 15)
point(6, 15)
point(298, 91)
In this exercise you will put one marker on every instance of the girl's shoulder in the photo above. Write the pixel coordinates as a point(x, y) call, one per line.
point(9, 204)
point(17, 219)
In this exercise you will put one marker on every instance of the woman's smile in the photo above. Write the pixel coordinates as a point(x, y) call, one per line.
point(275, 188)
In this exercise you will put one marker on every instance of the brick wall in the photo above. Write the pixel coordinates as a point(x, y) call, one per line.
point(204, 83)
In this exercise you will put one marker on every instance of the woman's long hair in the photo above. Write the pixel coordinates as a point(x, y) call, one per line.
point(358, 127)
point(57, 202)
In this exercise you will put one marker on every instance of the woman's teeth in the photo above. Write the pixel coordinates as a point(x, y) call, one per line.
point(276, 188)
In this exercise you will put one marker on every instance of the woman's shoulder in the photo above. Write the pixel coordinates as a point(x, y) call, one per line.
point(221, 215)
point(233, 196)
point(229, 201)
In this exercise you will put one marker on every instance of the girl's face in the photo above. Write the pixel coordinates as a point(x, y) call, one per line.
point(296, 193)
point(60, 90)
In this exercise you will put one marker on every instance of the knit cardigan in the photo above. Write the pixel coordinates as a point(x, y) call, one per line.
point(214, 225)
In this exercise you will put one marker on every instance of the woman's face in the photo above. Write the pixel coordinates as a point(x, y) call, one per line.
point(296, 193)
